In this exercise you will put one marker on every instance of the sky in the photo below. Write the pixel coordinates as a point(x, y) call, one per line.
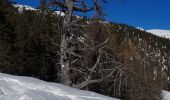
point(148, 14)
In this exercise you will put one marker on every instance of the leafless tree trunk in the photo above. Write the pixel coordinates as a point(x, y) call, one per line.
point(69, 6)
point(64, 60)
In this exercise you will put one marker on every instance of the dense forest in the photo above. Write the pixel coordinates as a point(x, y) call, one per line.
point(106, 57)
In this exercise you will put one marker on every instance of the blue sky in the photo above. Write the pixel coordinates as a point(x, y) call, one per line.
point(148, 14)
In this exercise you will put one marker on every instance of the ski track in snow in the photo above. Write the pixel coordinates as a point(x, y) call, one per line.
point(27, 88)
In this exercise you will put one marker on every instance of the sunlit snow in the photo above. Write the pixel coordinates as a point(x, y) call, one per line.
point(22, 7)
point(27, 88)
point(160, 33)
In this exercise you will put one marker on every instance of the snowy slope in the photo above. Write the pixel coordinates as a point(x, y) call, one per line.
point(22, 7)
point(27, 88)
point(161, 33)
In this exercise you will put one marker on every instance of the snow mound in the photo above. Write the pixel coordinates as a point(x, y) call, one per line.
point(27, 88)
point(22, 7)
point(160, 33)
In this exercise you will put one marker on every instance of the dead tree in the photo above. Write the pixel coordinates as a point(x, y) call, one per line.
point(69, 6)
point(67, 51)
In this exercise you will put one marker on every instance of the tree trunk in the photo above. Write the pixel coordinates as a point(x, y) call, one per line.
point(64, 60)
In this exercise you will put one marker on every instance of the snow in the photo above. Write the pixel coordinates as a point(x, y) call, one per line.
point(59, 13)
point(157, 32)
point(140, 28)
point(22, 7)
point(27, 88)
point(166, 95)
point(160, 33)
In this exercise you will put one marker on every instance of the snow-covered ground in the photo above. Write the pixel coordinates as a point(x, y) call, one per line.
point(27, 88)
point(160, 33)
point(166, 95)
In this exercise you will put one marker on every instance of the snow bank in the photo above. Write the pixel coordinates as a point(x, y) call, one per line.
point(27, 88)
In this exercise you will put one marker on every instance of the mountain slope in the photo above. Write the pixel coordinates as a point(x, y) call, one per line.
point(27, 88)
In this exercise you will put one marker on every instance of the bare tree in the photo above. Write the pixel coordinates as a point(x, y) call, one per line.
point(69, 6)
point(102, 58)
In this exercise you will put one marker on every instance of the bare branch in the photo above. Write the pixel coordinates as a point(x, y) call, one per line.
point(74, 54)
point(75, 8)
point(101, 45)
point(110, 62)
point(71, 52)
point(89, 81)
point(97, 62)
point(75, 69)
point(74, 61)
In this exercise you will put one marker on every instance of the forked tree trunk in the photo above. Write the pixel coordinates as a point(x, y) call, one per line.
point(64, 60)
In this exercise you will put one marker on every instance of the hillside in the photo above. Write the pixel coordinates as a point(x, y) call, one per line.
point(121, 60)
